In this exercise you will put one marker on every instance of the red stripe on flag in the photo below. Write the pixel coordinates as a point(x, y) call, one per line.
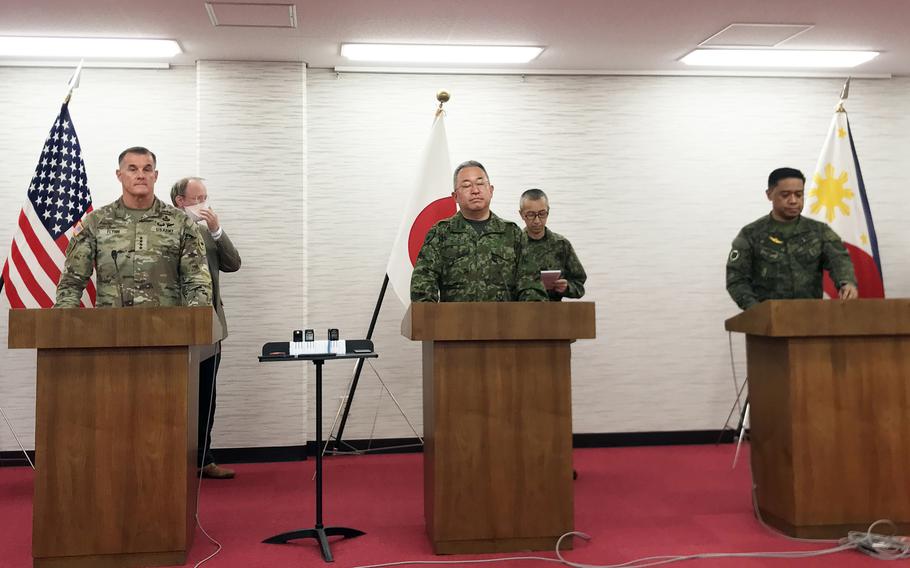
point(12, 294)
point(26, 275)
point(868, 280)
point(49, 266)
point(62, 242)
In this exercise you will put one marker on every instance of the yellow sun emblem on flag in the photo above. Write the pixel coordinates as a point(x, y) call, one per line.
point(831, 193)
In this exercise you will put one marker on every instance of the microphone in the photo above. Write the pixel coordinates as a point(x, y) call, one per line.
point(114, 254)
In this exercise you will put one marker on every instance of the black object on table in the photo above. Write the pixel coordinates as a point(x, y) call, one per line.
point(280, 351)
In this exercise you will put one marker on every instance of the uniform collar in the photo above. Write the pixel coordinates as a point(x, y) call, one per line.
point(123, 211)
point(546, 235)
point(494, 224)
point(798, 226)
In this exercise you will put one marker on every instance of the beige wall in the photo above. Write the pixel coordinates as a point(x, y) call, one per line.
point(650, 177)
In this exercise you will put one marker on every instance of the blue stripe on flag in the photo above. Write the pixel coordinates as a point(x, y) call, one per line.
point(873, 239)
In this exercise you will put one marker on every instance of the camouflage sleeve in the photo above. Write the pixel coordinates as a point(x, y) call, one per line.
point(574, 273)
point(739, 273)
point(194, 270)
point(427, 270)
point(228, 257)
point(836, 259)
point(80, 262)
point(527, 277)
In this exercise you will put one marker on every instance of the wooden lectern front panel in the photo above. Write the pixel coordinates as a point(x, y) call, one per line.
point(829, 429)
point(115, 449)
point(498, 421)
point(770, 431)
point(851, 426)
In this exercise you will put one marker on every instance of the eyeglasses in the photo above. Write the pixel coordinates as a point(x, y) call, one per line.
point(531, 215)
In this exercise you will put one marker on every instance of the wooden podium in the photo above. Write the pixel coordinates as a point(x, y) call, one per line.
point(115, 433)
point(829, 393)
point(497, 419)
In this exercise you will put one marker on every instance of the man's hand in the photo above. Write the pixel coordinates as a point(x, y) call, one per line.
point(848, 292)
point(210, 218)
point(561, 285)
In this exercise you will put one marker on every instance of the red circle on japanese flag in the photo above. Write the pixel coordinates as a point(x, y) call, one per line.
point(431, 214)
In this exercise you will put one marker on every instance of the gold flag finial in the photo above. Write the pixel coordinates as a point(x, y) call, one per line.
point(443, 97)
point(844, 93)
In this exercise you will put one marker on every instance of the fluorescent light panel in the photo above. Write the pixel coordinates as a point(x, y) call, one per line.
point(95, 47)
point(777, 58)
point(413, 53)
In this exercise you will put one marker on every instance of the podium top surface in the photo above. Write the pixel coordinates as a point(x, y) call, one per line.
point(473, 321)
point(112, 327)
point(819, 318)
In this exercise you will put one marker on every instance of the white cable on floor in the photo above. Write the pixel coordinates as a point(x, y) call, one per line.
point(205, 448)
point(875, 545)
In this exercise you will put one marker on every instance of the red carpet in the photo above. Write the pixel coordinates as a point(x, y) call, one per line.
point(634, 502)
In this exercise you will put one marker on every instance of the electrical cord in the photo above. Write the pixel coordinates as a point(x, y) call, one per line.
point(883, 547)
point(205, 448)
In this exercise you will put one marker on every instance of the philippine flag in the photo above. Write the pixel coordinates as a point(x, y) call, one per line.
point(431, 201)
point(836, 195)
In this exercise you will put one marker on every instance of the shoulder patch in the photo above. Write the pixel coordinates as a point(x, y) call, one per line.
point(734, 255)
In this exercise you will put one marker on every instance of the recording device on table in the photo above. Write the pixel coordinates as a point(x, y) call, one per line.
point(304, 344)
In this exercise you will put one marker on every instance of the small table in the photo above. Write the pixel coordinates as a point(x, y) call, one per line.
point(361, 350)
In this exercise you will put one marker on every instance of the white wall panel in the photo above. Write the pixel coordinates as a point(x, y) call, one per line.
point(252, 153)
point(650, 177)
point(112, 110)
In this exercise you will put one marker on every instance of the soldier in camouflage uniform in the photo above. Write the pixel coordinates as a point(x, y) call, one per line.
point(548, 250)
point(145, 253)
point(474, 256)
point(782, 255)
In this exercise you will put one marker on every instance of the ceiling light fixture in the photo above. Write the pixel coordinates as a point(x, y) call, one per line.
point(777, 58)
point(414, 53)
point(88, 47)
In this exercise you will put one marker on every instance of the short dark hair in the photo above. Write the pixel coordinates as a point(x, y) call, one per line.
point(784, 173)
point(137, 150)
point(468, 164)
point(533, 194)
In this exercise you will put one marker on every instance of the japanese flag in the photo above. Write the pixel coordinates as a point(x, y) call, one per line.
point(431, 201)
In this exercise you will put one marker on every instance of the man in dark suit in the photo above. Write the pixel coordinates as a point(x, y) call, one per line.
point(191, 195)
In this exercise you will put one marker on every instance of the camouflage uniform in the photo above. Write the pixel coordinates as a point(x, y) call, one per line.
point(161, 257)
point(456, 264)
point(771, 260)
point(554, 252)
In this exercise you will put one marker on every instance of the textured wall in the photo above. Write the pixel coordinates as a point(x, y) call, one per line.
point(650, 177)
point(241, 126)
point(252, 153)
point(112, 110)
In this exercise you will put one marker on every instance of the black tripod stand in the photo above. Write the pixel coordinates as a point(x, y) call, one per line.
point(319, 532)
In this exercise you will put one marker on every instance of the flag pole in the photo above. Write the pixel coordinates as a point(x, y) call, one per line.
point(844, 94)
point(73, 83)
point(443, 97)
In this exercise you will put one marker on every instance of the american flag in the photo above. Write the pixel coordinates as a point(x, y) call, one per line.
point(58, 198)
